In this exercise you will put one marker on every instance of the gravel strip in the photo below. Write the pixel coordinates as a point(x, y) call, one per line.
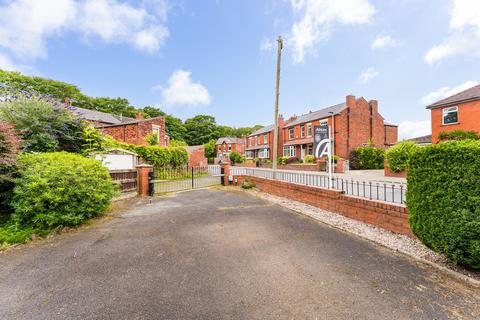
point(397, 242)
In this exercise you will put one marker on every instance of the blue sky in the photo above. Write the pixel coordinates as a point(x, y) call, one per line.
point(218, 57)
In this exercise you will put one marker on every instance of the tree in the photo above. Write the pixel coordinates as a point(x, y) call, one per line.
point(210, 149)
point(200, 130)
point(152, 112)
point(175, 128)
point(42, 125)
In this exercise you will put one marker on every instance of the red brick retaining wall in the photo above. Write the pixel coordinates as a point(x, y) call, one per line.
point(384, 215)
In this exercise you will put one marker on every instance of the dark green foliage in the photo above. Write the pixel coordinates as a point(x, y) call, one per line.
point(200, 130)
point(175, 128)
point(282, 160)
point(60, 189)
point(236, 157)
point(398, 155)
point(458, 135)
point(43, 125)
point(443, 198)
point(177, 143)
point(367, 157)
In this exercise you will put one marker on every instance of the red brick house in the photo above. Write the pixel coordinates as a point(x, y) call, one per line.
point(356, 122)
point(125, 129)
point(260, 142)
point(196, 156)
point(458, 112)
point(226, 145)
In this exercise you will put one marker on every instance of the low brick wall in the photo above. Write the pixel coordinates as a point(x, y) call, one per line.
point(300, 167)
point(384, 215)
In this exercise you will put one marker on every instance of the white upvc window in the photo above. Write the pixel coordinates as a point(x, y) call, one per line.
point(302, 131)
point(289, 151)
point(309, 129)
point(450, 115)
point(229, 147)
point(258, 140)
point(265, 138)
point(291, 133)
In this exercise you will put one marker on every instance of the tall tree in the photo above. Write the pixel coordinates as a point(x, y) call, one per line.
point(201, 129)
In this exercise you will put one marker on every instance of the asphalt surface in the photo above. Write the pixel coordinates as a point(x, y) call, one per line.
point(214, 254)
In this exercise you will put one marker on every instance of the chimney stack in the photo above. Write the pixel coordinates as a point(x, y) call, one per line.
point(350, 101)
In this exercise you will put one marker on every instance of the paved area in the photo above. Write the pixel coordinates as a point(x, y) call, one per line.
point(215, 254)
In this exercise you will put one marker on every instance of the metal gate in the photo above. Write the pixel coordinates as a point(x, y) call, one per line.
point(164, 180)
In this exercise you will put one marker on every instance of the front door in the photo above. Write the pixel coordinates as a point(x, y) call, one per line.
point(302, 152)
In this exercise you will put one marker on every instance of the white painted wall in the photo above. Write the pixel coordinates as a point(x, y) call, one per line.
point(118, 161)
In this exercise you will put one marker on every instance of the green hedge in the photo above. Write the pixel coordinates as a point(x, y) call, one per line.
point(443, 199)
point(157, 156)
point(367, 157)
point(458, 135)
point(398, 155)
point(60, 188)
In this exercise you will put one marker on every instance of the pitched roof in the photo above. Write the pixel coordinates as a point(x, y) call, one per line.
point(316, 115)
point(230, 140)
point(464, 96)
point(93, 115)
point(262, 130)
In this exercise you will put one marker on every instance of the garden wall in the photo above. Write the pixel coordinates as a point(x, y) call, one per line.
point(384, 215)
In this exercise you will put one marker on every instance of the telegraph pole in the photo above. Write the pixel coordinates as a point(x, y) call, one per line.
point(277, 94)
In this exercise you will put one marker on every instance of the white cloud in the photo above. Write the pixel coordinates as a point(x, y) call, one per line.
point(446, 92)
point(7, 64)
point(413, 129)
point(181, 90)
point(368, 75)
point(26, 25)
point(384, 42)
point(266, 45)
point(317, 17)
point(464, 36)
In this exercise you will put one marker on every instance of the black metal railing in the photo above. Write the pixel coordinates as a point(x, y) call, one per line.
point(166, 180)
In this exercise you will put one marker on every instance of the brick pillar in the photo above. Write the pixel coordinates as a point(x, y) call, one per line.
point(142, 179)
point(226, 172)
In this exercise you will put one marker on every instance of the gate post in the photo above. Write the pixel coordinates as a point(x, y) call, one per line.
point(143, 182)
point(225, 170)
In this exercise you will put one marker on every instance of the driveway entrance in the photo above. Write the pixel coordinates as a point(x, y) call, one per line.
point(215, 254)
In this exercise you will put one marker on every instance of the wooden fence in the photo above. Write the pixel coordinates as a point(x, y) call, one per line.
point(126, 179)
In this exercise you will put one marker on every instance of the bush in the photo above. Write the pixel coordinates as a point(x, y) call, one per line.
point(443, 199)
point(458, 135)
point(60, 189)
point(236, 157)
point(9, 149)
point(398, 155)
point(292, 160)
point(152, 139)
point(43, 125)
point(367, 157)
point(309, 159)
point(177, 143)
point(282, 160)
point(248, 184)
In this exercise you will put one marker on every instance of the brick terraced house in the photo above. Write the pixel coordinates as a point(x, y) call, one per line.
point(260, 142)
point(356, 123)
point(125, 129)
point(458, 112)
point(226, 145)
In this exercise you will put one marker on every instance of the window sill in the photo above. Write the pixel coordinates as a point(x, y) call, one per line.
point(450, 124)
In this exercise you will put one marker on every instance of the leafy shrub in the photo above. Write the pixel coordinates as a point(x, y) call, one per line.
point(152, 139)
point(282, 160)
point(93, 140)
point(443, 199)
point(60, 188)
point(398, 155)
point(43, 125)
point(309, 159)
point(248, 184)
point(458, 135)
point(367, 157)
point(210, 149)
point(292, 160)
point(266, 161)
point(236, 157)
point(9, 148)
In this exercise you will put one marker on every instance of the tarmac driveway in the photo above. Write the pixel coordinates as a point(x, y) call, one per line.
point(215, 254)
